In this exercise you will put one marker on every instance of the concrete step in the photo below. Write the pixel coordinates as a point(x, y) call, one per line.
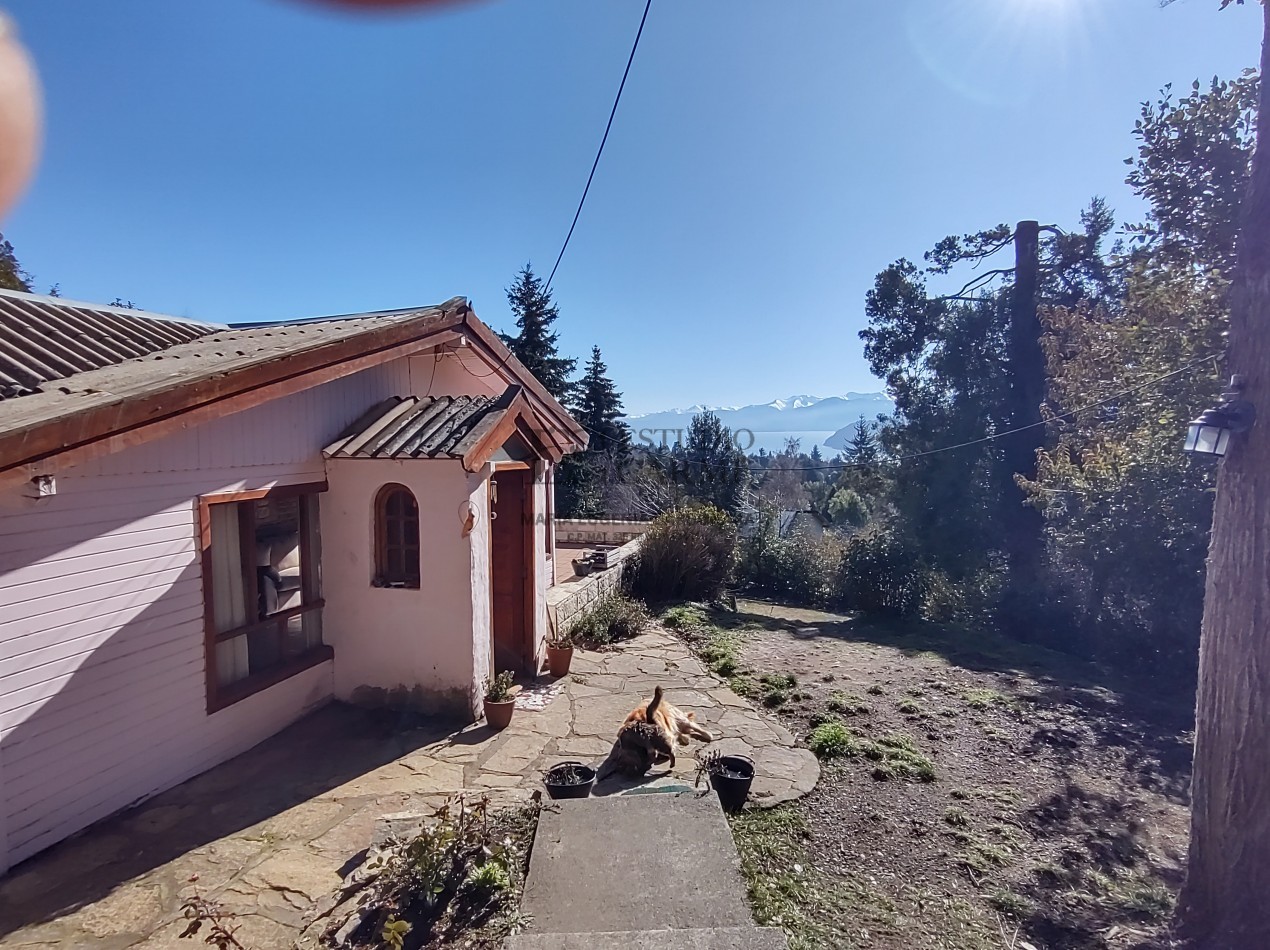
point(634, 863)
point(713, 938)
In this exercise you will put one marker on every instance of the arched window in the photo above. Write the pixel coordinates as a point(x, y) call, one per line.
point(396, 538)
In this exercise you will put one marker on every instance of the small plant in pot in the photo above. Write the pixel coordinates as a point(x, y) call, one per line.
point(730, 776)
point(569, 780)
point(559, 654)
point(500, 701)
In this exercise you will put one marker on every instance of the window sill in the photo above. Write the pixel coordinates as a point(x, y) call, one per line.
point(236, 692)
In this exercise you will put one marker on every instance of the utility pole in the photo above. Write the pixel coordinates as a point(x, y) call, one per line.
point(1024, 537)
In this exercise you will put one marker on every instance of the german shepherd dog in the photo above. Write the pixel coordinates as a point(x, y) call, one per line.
point(649, 735)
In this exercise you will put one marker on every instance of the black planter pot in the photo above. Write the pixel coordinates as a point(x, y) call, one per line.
point(557, 787)
point(732, 781)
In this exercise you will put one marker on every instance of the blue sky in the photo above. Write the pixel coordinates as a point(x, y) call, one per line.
point(261, 159)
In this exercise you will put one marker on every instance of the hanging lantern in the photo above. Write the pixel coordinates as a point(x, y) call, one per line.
point(1210, 433)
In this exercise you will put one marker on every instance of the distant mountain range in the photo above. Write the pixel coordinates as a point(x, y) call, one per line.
point(827, 421)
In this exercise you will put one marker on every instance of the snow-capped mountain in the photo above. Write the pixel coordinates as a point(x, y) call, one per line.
point(813, 420)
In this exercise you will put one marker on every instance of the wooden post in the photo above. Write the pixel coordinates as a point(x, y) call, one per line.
point(1024, 538)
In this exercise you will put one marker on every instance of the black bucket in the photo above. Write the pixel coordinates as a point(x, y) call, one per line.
point(557, 787)
point(732, 780)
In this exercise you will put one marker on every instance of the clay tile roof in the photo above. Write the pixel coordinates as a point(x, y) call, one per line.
point(45, 339)
point(432, 427)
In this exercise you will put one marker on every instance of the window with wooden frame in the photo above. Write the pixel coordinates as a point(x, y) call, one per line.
point(262, 589)
point(396, 538)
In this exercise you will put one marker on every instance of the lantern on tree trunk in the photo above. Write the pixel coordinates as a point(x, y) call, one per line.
point(1210, 433)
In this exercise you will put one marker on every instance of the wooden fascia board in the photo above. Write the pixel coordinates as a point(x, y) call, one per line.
point(575, 436)
point(109, 429)
point(517, 418)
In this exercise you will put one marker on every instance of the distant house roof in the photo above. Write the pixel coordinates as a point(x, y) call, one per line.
point(82, 410)
point(470, 428)
point(45, 339)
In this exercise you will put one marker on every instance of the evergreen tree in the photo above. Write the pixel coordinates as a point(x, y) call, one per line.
point(535, 344)
point(712, 468)
point(816, 457)
point(12, 276)
point(599, 409)
point(862, 448)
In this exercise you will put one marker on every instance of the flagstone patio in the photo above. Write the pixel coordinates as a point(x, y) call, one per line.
point(269, 833)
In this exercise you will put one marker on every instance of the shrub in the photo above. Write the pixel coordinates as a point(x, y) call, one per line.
point(684, 617)
point(795, 569)
point(616, 617)
point(881, 575)
point(846, 507)
point(686, 554)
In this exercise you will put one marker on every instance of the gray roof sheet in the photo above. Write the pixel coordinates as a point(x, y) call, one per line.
point(45, 339)
point(219, 351)
point(412, 427)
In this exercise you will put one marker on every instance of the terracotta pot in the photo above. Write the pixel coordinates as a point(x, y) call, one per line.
point(558, 660)
point(499, 715)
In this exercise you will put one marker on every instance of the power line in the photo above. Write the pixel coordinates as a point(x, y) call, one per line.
point(831, 466)
point(596, 163)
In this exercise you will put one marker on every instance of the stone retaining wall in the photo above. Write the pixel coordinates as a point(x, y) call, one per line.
point(597, 531)
point(569, 601)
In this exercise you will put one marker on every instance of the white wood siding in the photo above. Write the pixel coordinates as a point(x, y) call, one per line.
point(102, 687)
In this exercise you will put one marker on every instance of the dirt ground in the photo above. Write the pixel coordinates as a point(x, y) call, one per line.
point(1034, 803)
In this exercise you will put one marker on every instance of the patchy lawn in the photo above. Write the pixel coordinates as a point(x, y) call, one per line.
point(976, 793)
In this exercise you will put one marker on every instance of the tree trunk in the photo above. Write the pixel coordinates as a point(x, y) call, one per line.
point(1024, 538)
point(1226, 901)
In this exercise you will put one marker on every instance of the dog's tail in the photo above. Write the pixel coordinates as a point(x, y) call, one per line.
point(652, 707)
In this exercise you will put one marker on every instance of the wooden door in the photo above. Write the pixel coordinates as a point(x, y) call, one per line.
point(510, 579)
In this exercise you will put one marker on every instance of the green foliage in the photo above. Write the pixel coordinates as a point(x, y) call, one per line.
point(832, 740)
point(587, 482)
point(499, 689)
point(395, 932)
point(614, 618)
point(489, 877)
point(1127, 513)
point(880, 574)
point(848, 704)
point(1192, 168)
point(897, 756)
point(709, 466)
point(847, 508)
point(535, 344)
point(684, 616)
point(686, 554)
point(12, 276)
point(794, 569)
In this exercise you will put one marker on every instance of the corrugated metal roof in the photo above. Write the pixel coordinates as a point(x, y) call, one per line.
point(44, 339)
point(221, 353)
point(412, 427)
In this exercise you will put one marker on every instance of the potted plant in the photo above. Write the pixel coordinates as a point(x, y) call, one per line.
point(500, 701)
point(730, 775)
point(559, 654)
point(569, 780)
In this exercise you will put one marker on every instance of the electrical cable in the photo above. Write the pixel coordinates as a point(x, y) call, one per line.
point(832, 466)
point(596, 163)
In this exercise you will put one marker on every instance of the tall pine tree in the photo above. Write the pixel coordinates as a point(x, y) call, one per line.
point(535, 344)
point(599, 409)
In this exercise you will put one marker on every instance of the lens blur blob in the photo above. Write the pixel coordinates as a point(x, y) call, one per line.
point(20, 116)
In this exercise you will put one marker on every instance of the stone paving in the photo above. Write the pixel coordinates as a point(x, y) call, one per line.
point(272, 831)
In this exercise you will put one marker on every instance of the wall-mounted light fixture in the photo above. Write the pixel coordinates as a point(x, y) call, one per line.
point(1210, 433)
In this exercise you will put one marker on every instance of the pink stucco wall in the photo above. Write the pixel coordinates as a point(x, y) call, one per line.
point(102, 679)
point(417, 647)
point(102, 688)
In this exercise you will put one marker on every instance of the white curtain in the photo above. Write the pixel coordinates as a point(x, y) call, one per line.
point(229, 598)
